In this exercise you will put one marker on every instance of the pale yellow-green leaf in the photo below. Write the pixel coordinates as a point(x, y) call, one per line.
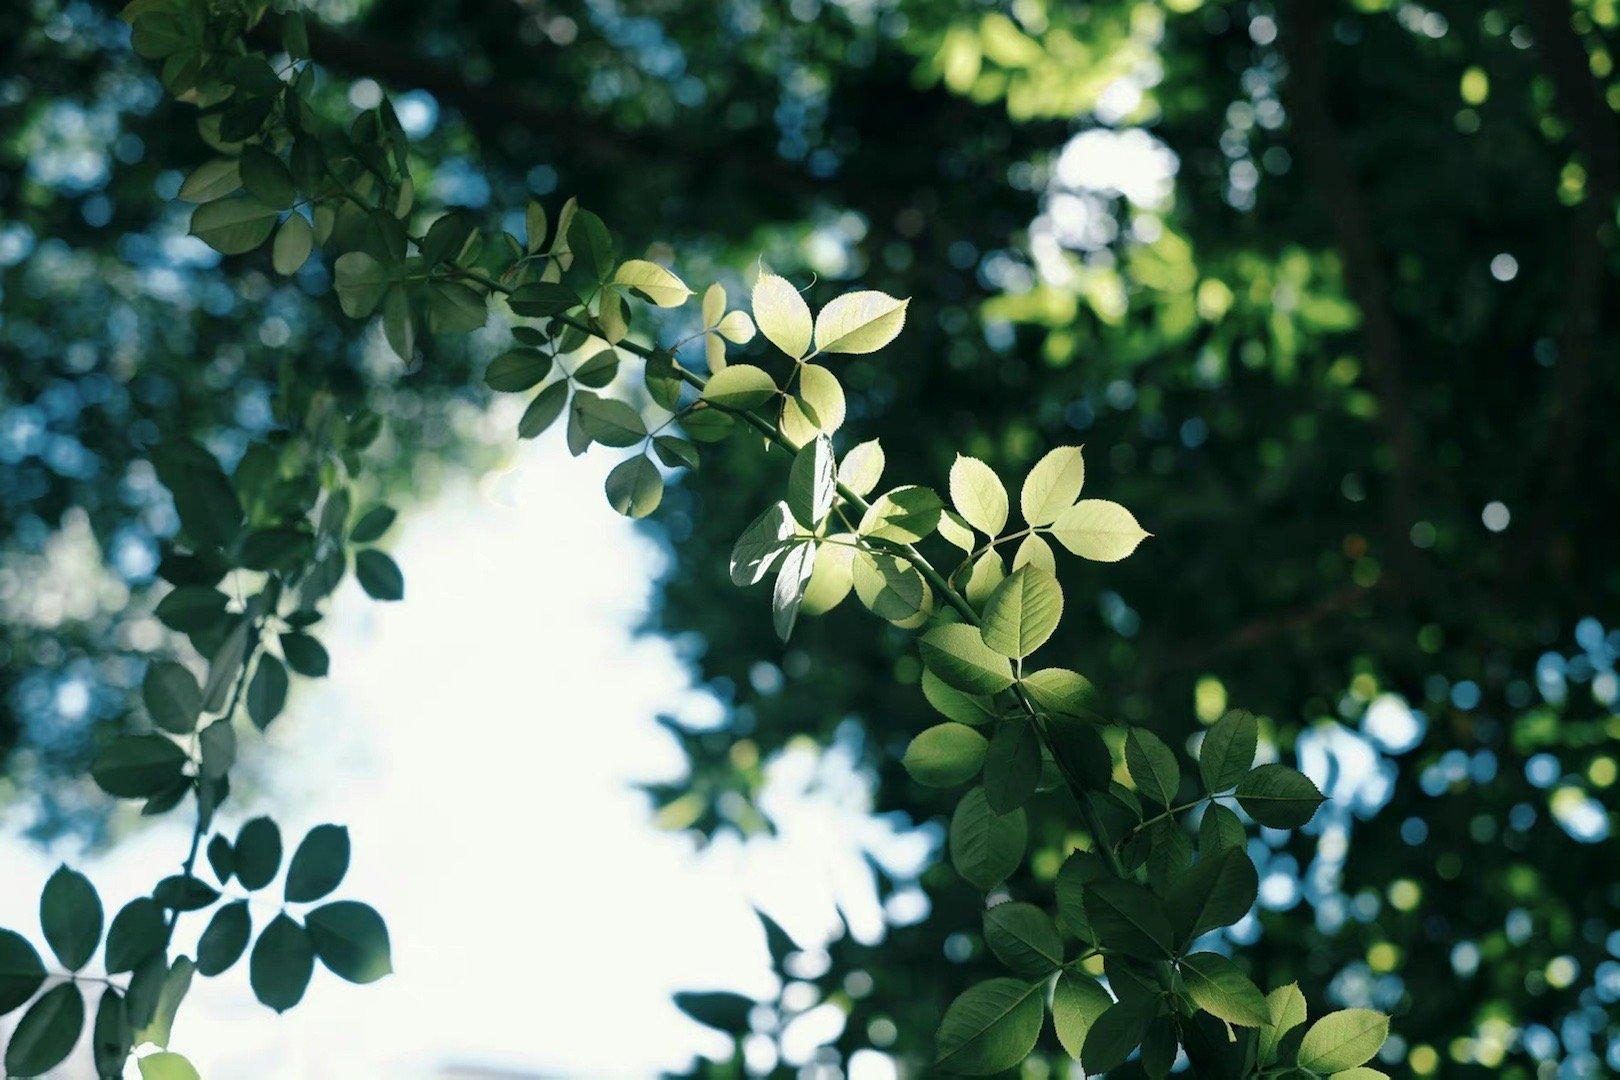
point(1342, 1040)
point(565, 221)
point(166, 1065)
point(891, 588)
point(1035, 551)
point(1052, 485)
point(987, 573)
point(714, 305)
point(1360, 1072)
point(653, 281)
point(833, 576)
point(904, 515)
point(740, 386)
point(1285, 1007)
point(534, 226)
point(294, 241)
point(958, 655)
point(736, 328)
point(978, 496)
point(1022, 613)
point(1098, 529)
point(816, 406)
point(945, 755)
point(1077, 1001)
point(714, 351)
point(862, 468)
point(859, 322)
point(782, 315)
point(955, 531)
point(612, 318)
point(1062, 692)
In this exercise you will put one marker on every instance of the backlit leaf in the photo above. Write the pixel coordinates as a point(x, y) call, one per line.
point(782, 315)
point(858, 322)
point(1052, 486)
point(978, 496)
point(1098, 529)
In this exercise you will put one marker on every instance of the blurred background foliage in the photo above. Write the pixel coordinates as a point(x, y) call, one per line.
point(1327, 289)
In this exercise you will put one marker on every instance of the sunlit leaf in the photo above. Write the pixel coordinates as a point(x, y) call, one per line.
point(781, 314)
point(857, 322)
point(1098, 529)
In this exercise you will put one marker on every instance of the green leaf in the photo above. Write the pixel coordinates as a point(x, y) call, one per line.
point(862, 468)
point(791, 579)
point(1285, 1011)
point(634, 487)
point(1217, 891)
point(958, 655)
point(379, 575)
point(211, 180)
point(1217, 986)
point(988, 572)
point(163, 995)
point(1098, 529)
point(1113, 1035)
point(782, 315)
point(1227, 751)
point(207, 504)
point(305, 655)
point(224, 666)
point(167, 1065)
point(399, 324)
point(372, 524)
point(21, 971)
point(1022, 613)
point(137, 932)
point(225, 939)
point(1152, 766)
point(138, 766)
point(1052, 486)
point(652, 281)
point(172, 696)
point(234, 226)
point(1220, 828)
point(1034, 551)
point(1077, 1001)
point(360, 281)
point(1342, 1040)
point(1024, 938)
point(258, 853)
point(1012, 766)
point(1061, 692)
point(318, 865)
point(267, 691)
point(47, 1032)
point(891, 588)
point(740, 386)
point(1128, 918)
point(990, 1027)
point(945, 755)
point(811, 482)
point(70, 914)
point(543, 299)
point(516, 370)
point(611, 422)
point(1279, 797)
point(978, 496)
point(718, 1009)
point(675, 453)
point(222, 858)
point(283, 960)
point(182, 892)
point(1076, 874)
point(111, 1035)
point(955, 705)
point(543, 410)
point(266, 178)
point(761, 544)
point(453, 308)
point(817, 407)
point(858, 322)
point(1360, 1072)
point(904, 515)
point(833, 576)
point(351, 940)
point(986, 846)
point(294, 241)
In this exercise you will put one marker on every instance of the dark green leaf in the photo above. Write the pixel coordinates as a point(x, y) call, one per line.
point(1228, 751)
point(990, 1027)
point(319, 863)
point(182, 892)
point(1217, 986)
point(1129, 918)
point(1113, 1035)
point(235, 225)
point(172, 696)
point(222, 858)
point(517, 369)
point(1279, 797)
point(717, 1009)
point(258, 853)
point(379, 575)
point(543, 410)
point(137, 932)
point(305, 655)
point(1218, 891)
point(267, 691)
point(1024, 938)
point(351, 940)
point(225, 938)
point(1012, 765)
point(21, 971)
point(111, 1036)
point(1077, 1001)
point(70, 914)
point(634, 487)
point(47, 1032)
point(986, 846)
point(372, 524)
point(958, 655)
point(266, 178)
point(1153, 766)
point(282, 962)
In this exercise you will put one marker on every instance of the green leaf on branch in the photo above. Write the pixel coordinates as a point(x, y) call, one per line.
point(781, 314)
point(635, 487)
point(817, 407)
point(1052, 486)
point(1153, 766)
point(857, 322)
point(811, 483)
point(47, 1032)
point(318, 864)
point(295, 239)
point(986, 846)
point(1077, 1001)
point(904, 515)
point(652, 281)
point(258, 853)
point(945, 755)
point(1118, 1031)
point(267, 691)
point(517, 370)
point(1227, 751)
point(791, 580)
point(167, 1065)
point(1023, 937)
point(543, 410)
point(862, 468)
point(740, 386)
point(1022, 613)
point(379, 575)
point(138, 766)
point(211, 180)
point(1129, 918)
point(235, 225)
point(1061, 692)
point(225, 938)
point(266, 177)
point(172, 696)
point(281, 964)
point(958, 655)
point(978, 495)
point(21, 971)
point(1342, 1040)
point(1285, 1011)
point(1217, 891)
point(990, 1027)
point(360, 281)
point(1279, 797)
point(305, 655)
point(1012, 765)
point(1098, 529)
point(892, 588)
point(136, 933)
point(761, 544)
point(1217, 986)
point(351, 940)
